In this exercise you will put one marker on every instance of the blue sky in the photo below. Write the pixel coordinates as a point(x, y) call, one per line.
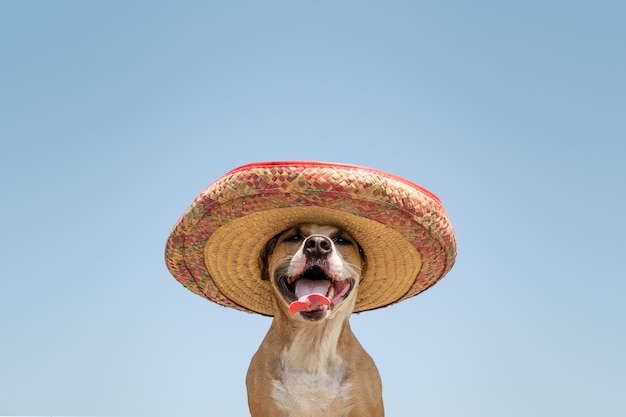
point(115, 115)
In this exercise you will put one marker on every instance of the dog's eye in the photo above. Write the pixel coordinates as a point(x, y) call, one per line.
point(294, 238)
point(340, 240)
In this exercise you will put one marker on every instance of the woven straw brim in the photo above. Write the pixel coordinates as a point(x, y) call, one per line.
point(403, 229)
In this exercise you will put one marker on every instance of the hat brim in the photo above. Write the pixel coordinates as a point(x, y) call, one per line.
point(407, 239)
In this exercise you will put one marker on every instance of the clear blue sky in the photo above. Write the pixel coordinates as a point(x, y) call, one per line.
point(114, 115)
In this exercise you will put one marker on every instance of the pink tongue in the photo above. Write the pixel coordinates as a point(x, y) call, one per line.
point(308, 303)
point(310, 295)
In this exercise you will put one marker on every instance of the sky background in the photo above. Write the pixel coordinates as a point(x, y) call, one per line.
point(114, 115)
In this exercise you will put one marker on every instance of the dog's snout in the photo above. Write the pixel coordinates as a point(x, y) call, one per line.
point(317, 246)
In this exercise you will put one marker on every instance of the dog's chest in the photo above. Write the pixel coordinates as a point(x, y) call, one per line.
point(324, 392)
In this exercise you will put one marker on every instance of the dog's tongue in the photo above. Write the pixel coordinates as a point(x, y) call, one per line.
point(310, 295)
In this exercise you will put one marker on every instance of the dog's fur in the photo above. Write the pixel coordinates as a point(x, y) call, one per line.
point(310, 363)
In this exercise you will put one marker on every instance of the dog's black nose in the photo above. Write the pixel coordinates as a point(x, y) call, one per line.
point(317, 246)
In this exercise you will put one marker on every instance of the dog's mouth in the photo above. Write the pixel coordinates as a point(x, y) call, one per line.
point(313, 291)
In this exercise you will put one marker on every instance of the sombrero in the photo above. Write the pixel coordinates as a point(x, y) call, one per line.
point(403, 229)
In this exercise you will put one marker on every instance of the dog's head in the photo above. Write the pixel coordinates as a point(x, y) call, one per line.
point(313, 259)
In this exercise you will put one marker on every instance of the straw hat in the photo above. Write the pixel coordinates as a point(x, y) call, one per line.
point(407, 239)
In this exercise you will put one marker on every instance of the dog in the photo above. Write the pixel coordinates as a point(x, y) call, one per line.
point(310, 363)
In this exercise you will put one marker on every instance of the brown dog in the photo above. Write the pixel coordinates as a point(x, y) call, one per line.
point(310, 363)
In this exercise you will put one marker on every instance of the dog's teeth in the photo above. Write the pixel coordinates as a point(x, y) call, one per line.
point(331, 292)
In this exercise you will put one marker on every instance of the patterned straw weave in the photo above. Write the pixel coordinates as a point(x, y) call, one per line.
point(407, 239)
